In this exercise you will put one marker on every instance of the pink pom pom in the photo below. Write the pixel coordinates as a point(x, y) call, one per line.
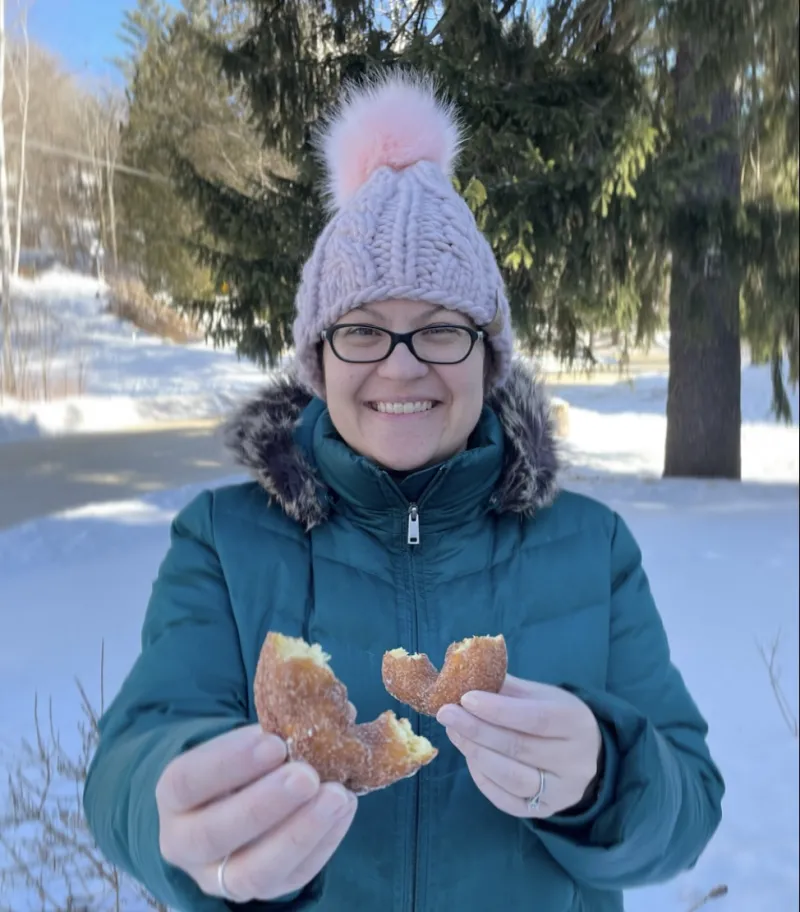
point(395, 120)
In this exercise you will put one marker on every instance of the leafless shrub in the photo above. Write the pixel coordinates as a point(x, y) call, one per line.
point(770, 658)
point(130, 300)
point(43, 832)
point(45, 365)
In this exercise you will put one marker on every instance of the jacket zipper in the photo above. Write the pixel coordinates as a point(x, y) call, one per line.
point(413, 524)
point(413, 538)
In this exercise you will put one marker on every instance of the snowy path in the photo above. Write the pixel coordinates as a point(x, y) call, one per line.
point(47, 475)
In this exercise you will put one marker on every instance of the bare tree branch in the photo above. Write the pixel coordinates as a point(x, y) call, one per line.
point(8, 381)
point(51, 852)
point(773, 670)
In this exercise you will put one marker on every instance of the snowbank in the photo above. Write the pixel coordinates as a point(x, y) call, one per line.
point(130, 379)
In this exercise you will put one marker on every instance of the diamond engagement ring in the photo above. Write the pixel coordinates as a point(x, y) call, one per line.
point(536, 800)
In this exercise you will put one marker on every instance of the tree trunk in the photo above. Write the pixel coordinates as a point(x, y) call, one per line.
point(63, 225)
point(101, 208)
point(24, 92)
point(705, 363)
point(111, 161)
point(5, 225)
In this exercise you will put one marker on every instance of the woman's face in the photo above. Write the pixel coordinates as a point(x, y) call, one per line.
point(360, 397)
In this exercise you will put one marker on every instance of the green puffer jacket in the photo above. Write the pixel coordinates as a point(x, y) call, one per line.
point(317, 546)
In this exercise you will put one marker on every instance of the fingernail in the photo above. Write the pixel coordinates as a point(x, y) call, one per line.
point(334, 802)
point(446, 715)
point(271, 750)
point(301, 783)
point(470, 700)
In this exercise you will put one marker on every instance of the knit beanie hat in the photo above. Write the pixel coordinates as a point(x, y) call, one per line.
point(398, 229)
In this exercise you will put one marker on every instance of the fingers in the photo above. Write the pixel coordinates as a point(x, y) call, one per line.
point(501, 799)
point(219, 766)
point(544, 753)
point(224, 826)
point(513, 777)
point(289, 856)
point(519, 687)
point(323, 851)
point(543, 718)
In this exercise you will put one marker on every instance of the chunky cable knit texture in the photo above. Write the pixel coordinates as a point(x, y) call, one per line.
point(399, 229)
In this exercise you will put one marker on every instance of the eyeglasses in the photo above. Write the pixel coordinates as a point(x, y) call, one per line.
point(360, 343)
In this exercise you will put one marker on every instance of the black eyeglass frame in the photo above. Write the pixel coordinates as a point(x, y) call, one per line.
point(407, 338)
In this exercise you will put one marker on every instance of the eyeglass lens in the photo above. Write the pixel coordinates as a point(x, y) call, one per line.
point(442, 344)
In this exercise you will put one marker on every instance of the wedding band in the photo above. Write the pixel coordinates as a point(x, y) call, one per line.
point(533, 803)
point(223, 890)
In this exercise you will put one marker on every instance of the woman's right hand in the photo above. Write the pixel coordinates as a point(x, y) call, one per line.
point(236, 795)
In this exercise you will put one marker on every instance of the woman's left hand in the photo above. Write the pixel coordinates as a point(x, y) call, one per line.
point(510, 738)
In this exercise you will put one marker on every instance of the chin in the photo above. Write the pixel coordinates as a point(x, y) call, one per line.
point(399, 462)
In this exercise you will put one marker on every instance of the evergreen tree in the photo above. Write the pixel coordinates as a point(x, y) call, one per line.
point(769, 97)
point(140, 27)
point(176, 100)
point(561, 137)
point(605, 164)
point(704, 398)
point(290, 63)
point(734, 247)
point(560, 130)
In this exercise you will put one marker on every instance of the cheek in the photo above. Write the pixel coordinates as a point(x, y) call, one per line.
point(341, 391)
point(468, 395)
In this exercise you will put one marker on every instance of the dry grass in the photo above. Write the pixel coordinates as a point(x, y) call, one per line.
point(45, 365)
point(43, 832)
point(129, 300)
point(770, 658)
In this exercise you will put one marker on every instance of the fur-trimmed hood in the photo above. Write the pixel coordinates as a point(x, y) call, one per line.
point(261, 436)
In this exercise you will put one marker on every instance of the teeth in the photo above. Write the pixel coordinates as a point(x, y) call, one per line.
point(402, 408)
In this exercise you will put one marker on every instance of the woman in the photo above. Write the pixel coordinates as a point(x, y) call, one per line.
point(405, 494)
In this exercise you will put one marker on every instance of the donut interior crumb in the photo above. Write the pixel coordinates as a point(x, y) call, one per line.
point(418, 747)
point(465, 644)
point(401, 653)
point(295, 648)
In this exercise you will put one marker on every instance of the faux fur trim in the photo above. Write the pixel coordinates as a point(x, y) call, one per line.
point(530, 475)
point(260, 435)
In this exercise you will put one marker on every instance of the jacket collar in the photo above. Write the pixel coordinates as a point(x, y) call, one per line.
point(263, 436)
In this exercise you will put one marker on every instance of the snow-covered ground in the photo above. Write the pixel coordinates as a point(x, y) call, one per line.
point(130, 378)
point(722, 557)
point(621, 428)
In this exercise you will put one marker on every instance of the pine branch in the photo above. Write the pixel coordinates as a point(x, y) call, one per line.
point(505, 9)
point(402, 29)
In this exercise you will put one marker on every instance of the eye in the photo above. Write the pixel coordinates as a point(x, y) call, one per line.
point(443, 331)
point(361, 331)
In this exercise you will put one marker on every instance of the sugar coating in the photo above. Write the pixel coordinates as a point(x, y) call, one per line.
point(475, 663)
point(299, 698)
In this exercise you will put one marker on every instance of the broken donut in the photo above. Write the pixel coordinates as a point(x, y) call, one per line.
point(298, 698)
point(476, 663)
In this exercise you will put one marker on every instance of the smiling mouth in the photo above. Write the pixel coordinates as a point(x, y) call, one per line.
point(403, 408)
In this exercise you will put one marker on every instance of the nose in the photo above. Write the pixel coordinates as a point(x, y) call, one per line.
point(402, 365)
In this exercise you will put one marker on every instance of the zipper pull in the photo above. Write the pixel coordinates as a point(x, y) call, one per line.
point(413, 525)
